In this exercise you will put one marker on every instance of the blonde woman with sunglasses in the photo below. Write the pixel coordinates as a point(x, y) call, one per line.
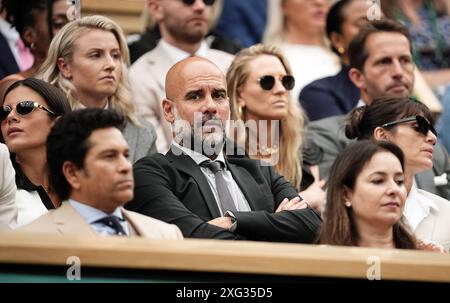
point(408, 124)
point(259, 80)
point(30, 108)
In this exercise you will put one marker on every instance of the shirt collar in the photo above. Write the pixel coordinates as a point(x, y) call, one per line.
point(360, 103)
point(22, 182)
point(178, 54)
point(417, 207)
point(8, 32)
point(197, 157)
point(91, 214)
point(79, 105)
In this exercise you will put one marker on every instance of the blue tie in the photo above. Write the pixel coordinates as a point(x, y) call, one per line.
point(114, 223)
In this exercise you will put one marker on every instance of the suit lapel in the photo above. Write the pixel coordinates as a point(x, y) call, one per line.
point(248, 186)
point(185, 164)
point(134, 225)
point(69, 222)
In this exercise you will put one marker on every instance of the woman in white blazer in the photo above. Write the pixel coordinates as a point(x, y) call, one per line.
point(8, 207)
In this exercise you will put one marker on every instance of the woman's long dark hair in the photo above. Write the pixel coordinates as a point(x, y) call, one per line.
point(338, 227)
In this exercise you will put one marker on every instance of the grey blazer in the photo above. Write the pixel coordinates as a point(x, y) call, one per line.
point(329, 135)
point(141, 139)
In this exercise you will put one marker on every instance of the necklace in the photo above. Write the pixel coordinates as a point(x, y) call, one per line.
point(268, 151)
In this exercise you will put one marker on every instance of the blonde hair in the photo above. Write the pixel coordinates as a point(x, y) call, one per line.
point(62, 46)
point(291, 130)
point(274, 32)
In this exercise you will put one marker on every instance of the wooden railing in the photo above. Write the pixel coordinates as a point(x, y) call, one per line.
point(128, 13)
point(233, 257)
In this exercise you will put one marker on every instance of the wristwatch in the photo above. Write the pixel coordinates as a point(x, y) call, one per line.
point(233, 220)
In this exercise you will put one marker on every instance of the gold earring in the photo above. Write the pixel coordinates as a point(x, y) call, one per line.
point(239, 110)
point(348, 204)
point(33, 46)
point(341, 50)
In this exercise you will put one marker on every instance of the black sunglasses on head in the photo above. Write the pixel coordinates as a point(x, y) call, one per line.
point(268, 82)
point(22, 108)
point(423, 126)
point(206, 2)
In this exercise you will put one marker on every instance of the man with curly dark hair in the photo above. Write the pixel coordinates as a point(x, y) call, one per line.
point(89, 169)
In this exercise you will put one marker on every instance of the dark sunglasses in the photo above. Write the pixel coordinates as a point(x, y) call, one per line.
point(268, 82)
point(207, 2)
point(22, 108)
point(423, 126)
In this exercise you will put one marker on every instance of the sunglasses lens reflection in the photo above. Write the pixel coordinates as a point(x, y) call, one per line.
point(424, 126)
point(288, 82)
point(206, 2)
point(25, 107)
point(4, 112)
point(22, 108)
point(267, 82)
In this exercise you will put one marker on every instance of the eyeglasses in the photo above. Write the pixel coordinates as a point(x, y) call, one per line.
point(206, 2)
point(22, 108)
point(423, 126)
point(267, 82)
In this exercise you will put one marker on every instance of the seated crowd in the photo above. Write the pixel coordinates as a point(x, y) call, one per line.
point(191, 141)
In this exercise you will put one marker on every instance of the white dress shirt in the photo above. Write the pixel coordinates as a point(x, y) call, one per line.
point(238, 197)
point(177, 54)
point(417, 207)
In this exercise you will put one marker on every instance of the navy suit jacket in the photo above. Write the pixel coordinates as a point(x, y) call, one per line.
point(8, 64)
point(172, 188)
point(330, 96)
point(243, 21)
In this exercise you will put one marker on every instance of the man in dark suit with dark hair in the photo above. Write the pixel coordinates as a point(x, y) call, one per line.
point(203, 192)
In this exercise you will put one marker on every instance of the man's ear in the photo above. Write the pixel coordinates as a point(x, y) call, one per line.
point(155, 10)
point(381, 134)
point(64, 68)
point(71, 172)
point(168, 109)
point(357, 77)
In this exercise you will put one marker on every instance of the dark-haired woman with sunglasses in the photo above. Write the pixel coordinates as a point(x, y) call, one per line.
point(259, 80)
point(30, 108)
point(407, 123)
